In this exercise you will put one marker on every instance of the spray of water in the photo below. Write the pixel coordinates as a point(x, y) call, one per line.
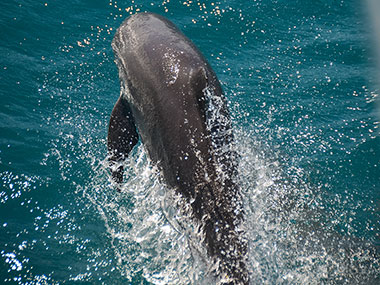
point(292, 238)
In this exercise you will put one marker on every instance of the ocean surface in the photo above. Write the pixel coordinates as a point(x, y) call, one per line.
point(300, 79)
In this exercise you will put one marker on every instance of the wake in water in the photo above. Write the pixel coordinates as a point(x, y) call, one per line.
point(291, 235)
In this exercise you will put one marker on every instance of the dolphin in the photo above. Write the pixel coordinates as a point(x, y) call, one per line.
point(172, 100)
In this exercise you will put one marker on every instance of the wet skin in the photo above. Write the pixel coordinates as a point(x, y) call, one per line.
point(172, 100)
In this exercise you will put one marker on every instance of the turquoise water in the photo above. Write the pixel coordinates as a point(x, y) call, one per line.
point(300, 77)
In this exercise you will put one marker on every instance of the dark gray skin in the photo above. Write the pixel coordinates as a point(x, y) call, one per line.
point(164, 79)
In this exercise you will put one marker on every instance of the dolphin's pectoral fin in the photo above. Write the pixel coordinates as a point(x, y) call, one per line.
point(122, 137)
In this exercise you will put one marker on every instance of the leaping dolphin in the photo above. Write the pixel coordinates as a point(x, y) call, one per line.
point(172, 99)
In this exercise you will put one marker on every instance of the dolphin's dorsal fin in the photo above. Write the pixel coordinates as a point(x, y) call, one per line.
point(122, 137)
